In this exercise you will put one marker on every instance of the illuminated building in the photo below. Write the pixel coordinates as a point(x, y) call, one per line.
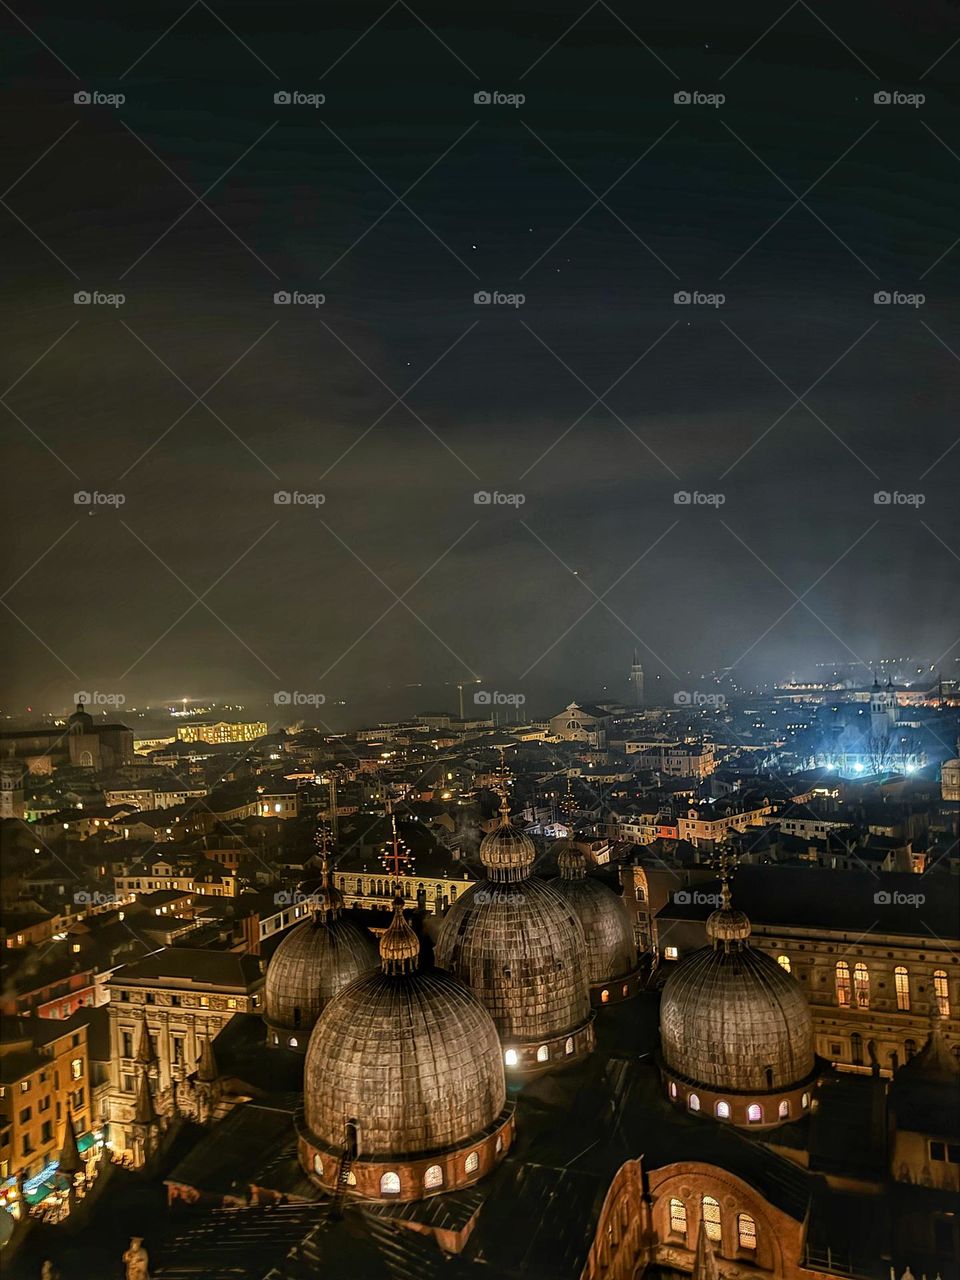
point(221, 731)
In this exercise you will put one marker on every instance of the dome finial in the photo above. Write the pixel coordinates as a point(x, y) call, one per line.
point(399, 946)
point(329, 902)
point(727, 927)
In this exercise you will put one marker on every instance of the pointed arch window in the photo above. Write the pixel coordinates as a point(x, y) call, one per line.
point(901, 980)
point(678, 1218)
point(710, 1209)
point(942, 992)
point(843, 984)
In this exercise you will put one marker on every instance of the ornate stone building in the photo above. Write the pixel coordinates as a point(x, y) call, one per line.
point(608, 936)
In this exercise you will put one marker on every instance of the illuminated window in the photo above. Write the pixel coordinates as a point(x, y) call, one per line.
point(902, 982)
point(673, 1090)
point(723, 1110)
point(472, 1162)
point(942, 992)
point(783, 1111)
point(754, 1113)
point(678, 1217)
point(604, 996)
point(433, 1177)
point(843, 984)
point(693, 1102)
point(805, 1101)
point(746, 1231)
point(711, 1218)
point(568, 1047)
point(76, 1068)
point(784, 962)
point(670, 953)
point(351, 1179)
point(543, 1053)
point(511, 1057)
point(390, 1184)
point(317, 1165)
point(625, 990)
point(293, 1042)
point(861, 985)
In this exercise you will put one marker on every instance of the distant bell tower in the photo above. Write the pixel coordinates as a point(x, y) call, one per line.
point(879, 721)
point(636, 679)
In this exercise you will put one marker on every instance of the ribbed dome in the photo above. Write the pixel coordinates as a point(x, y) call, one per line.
point(732, 1019)
point(506, 852)
point(521, 948)
point(311, 965)
point(412, 1058)
point(603, 915)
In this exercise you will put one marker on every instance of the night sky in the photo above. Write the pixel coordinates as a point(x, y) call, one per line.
point(598, 199)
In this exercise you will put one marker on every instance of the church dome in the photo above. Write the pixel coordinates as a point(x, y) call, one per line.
point(314, 962)
point(403, 1072)
point(732, 1020)
point(508, 852)
point(81, 721)
point(608, 934)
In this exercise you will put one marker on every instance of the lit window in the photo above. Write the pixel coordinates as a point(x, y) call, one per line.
point(625, 989)
point(843, 984)
point(861, 985)
point(472, 1162)
point(670, 953)
point(746, 1231)
point(805, 1101)
point(604, 996)
point(693, 1102)
point(783, 1111)
point(568, 1047)
point(942, 992)
point(390, 1184)
point(543, 1053)
point(76, 1068)
point(351, 1179)
point(317, 1165)
point(784, 962)
point(433, 1177)
point(673, 1090)
point(678, 1217)
point(293, 1042)
point(902, 983)
point(711, 1218)
point(754, 1113)
point(511, 1057)
point(723, 1110)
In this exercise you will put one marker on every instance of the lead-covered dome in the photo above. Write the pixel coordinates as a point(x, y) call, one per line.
point(403, 1075)
point(731, 1019)
point(314, 962)
point(608, 933)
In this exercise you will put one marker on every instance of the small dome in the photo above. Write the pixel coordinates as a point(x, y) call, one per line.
point(507, 853)
point(608, 933)
point(571, 861)
point(408, 1060)
point(314, 962)
point(732, 1019)
point(521, 948)
point(81, 721)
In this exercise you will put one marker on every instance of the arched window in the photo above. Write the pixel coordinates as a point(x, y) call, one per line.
point(693, 1102)
point(604, 996)
point(359, 884)
point(499, 1143)
point(433, 1177)
point(856, 1049)
point(901, 979)
point(723, 1110)
point(843, 984)
point(783, 1111)
point(861, 985)
point(805, 1101)
point(343, 882)
point(390, 1184)
point(511, 1058)
point(942, 992)
point(711, 1218)
point(784, 962)
point(568, 1047)
point(678, 1217)
point(543, 1053)
point(754, 1113)
point(673, 1090)
point(293, 1042)
point(351, 1179)
point(317, 1165)
point(625, 990)
point(453, 893)
point(746, 1231)
point(472, 1162)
